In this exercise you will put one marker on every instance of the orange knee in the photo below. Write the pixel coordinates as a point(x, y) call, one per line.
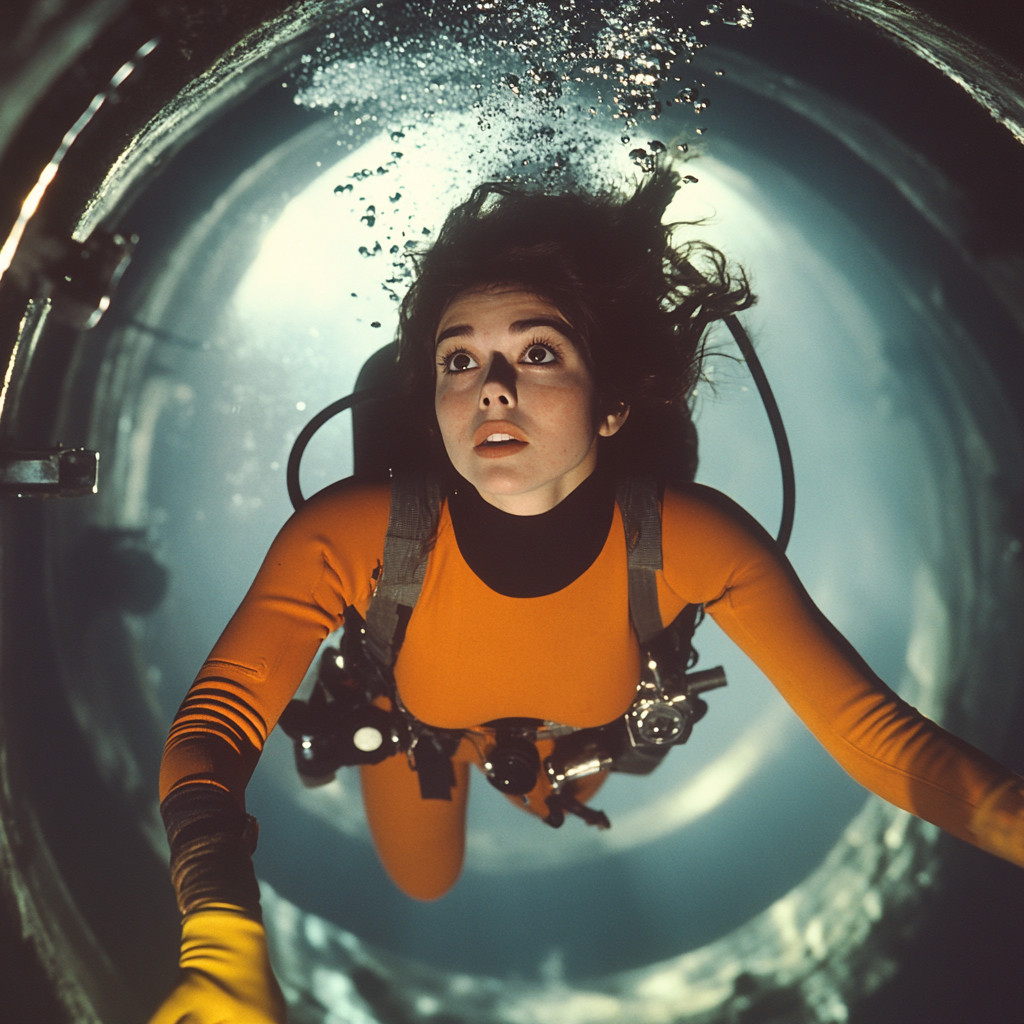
point(421, 843)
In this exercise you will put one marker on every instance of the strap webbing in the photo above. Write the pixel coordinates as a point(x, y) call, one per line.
point(638, 501)
point(415, 506)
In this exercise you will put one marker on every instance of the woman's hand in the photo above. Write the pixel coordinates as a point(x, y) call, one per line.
point(226, 977)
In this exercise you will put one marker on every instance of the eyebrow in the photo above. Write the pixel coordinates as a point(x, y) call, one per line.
point(516, 327)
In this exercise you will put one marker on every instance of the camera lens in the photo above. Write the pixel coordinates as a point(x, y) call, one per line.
point(512, 766)
point(660, 723)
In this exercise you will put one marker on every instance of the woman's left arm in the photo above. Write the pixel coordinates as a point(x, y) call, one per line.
point(718, 555)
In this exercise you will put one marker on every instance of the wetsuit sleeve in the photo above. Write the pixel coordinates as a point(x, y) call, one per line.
point(322, 560)
point(716, 554)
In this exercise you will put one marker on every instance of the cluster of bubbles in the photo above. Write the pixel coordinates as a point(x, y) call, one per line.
point(504, 89)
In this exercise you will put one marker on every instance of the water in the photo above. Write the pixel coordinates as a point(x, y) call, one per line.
point(704, 866)
point(503, 91)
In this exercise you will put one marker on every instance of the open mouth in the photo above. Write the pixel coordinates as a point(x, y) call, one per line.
point(497, 438)
point(500, 441)
point(498, 444)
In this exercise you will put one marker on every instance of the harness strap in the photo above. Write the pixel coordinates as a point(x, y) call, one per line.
point(414, 512)
point(637, 498)
point(415, 507)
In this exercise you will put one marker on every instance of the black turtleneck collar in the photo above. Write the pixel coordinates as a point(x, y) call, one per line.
point(530, 556)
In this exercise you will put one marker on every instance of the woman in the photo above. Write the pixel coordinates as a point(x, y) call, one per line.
point(547, 347)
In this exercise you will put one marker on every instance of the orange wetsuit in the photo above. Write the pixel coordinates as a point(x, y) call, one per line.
point(471, 655)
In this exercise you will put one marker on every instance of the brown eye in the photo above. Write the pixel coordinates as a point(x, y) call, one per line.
point(459, 361)
point(538, 354)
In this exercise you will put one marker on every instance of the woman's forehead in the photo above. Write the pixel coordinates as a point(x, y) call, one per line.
point(493, 305)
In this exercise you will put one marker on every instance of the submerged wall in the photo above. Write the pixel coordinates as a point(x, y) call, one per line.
point(749, 880)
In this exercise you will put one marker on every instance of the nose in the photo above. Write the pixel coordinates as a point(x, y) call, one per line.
point(499, 386)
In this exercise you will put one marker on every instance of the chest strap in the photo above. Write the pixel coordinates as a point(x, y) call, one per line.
point(637, 498)
point(415, 509)
point(412, 520)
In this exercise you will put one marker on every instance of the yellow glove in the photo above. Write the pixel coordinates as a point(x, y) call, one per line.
point(226, 977)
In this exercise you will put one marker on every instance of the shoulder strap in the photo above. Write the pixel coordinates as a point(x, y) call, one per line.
point(637, 498)
point(415, 507)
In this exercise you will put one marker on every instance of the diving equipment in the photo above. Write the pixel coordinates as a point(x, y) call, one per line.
point(340, 725)
point(513, 764)
point(355, 714)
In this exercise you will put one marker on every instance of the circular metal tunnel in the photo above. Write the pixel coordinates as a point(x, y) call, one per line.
point(862, 163)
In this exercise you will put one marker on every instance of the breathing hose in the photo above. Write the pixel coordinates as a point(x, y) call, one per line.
point(745, 346)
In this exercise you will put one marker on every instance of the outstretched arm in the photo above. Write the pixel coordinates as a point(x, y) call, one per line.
point(321, 561)
point(718, 555)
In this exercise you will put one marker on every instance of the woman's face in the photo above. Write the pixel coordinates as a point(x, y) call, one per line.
point(514, 399)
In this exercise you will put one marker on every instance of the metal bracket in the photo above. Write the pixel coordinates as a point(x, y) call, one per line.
point(49, 472)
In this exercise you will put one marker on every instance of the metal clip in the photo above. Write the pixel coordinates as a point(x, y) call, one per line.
point(561, 773)
point(49, 472)
point(663, 714)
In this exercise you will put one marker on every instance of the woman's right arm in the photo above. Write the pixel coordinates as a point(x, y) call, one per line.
point(324, 559)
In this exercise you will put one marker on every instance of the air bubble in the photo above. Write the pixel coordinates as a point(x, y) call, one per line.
point(504, 71)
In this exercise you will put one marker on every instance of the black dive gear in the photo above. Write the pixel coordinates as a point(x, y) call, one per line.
point(340, 724)
point(513, 764)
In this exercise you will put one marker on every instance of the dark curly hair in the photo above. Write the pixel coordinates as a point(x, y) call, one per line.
point(637, 302)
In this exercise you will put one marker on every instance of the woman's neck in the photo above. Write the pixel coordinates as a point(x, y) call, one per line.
point(545, 497)
point(533, 555)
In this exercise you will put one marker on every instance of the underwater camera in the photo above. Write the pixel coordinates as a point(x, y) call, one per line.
point(338, 726)
point(513, 764)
